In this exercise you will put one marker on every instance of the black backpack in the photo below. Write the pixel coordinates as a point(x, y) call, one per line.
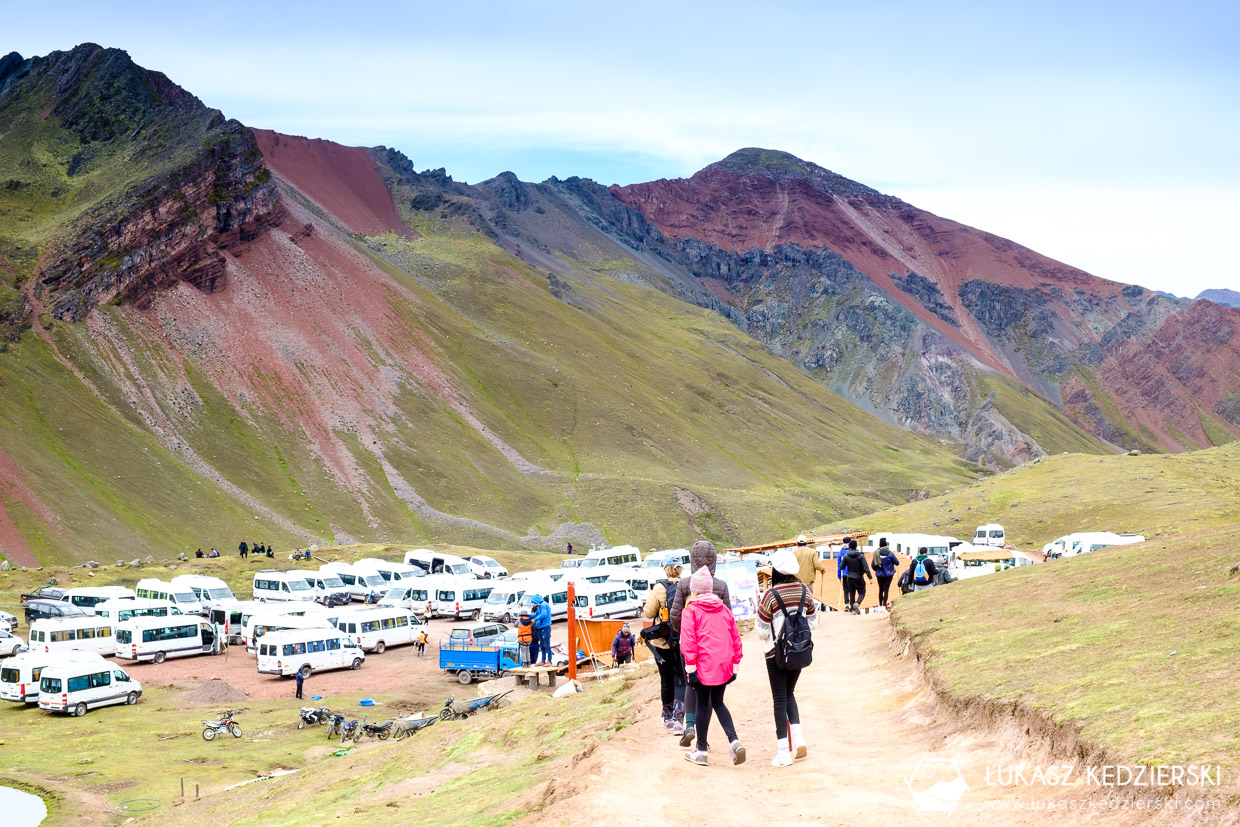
point(662, 627)
point(794, 648)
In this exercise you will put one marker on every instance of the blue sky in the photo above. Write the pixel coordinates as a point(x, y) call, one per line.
point(1103, 134)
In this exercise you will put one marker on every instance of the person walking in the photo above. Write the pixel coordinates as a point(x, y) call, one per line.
point(702, 554)
point(243, 549)
point(525, 636)
point(569, 549)
point(301, 678)
point(924, 570)
point(885, 563)
point(622, 646)
point(786, 595)
point(808, 564)
point(856, 572)
point(666, 650)
point(542, 627)
point(421, 643)
point(712, 648)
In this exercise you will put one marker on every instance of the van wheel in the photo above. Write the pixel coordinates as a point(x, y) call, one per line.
point(380, 648)
point(79, 710)
point(357, 663)
point(131, 698)
point(477, 615)
point(305, 672)
point(507, 618)
point(160, 657)
point(465, 677)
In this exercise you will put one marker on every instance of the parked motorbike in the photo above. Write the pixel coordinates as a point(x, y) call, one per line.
point(335, 723)
point(313, 717)
point(348, 729)
point(224, 724)
point(381, 731)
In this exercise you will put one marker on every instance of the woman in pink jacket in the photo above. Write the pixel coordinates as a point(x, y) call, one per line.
point(711, 647)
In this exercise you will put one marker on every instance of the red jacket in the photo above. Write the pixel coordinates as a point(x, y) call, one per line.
point(709, 640)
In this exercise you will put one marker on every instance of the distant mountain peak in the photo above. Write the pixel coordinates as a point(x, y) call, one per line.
point(784, 166)
point(1221, 295)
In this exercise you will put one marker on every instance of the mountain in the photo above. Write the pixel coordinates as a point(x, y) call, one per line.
point(216, 334)
point(1230, 298)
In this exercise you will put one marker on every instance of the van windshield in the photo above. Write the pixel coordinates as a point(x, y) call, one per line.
point(500, 597)
point(996, 535)
point(330, 582)
point(298, 585)
point(373, 580)
point(459, 568)
point(589, 562)
point(221, 594)
point(124, 636)
point(185, 597)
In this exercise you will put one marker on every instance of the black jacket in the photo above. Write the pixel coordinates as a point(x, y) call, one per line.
point(855, 565)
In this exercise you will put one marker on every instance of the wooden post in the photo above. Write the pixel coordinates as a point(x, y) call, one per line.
point(572, 631)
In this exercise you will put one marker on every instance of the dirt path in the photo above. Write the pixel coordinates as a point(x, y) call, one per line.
point(869, 719)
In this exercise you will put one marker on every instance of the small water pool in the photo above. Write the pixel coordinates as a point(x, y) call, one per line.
point(22, 809)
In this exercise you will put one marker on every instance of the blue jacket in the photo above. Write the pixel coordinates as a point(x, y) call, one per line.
point(542, 612)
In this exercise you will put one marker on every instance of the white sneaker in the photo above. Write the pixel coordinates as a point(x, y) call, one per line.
point(799, 749)
point(782, 758)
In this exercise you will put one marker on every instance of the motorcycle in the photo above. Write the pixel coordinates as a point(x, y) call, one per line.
point(381, 731)
point(335, 723)
point(313, 717)
point(224, 724)
point(348, 729)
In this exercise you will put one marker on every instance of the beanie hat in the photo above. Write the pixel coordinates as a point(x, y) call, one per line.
point(701, 581)
point(882, 542)
point(785, 562)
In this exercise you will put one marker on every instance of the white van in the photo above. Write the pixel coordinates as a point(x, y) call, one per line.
point(1085, 541)
point(608, 599)
point(263, 623)
point(432, 562)
point(328, 588)
point(461, 597)
point(618, 556)
point(157, 638)
point(486, 568)
point(504, 601)
point(595, 575)
point(183, 596)
point(364, 584)
point(230, 619)
point(641, 581)
point(271, 586)
point(87, 598)
point(667, 557)
point(76, 686)
point(552, 575)
point(115, 611)
point(19, 675)
point(376, 629)
point(391, 573)
point(554, 593)
point(411, 594)
point(991, 534)
point(61, 634)
point(307, 650)
point(210, 591)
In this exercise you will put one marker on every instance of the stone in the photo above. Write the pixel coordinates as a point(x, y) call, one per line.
point(90, 574)
point(120, 564)
point(25, 569)
point(1235, 569)
point(150, 560)
point(171, 566)
point(91, 564)
point(135, 563)
point(4, 565)
point(53, 581)
point(314, 549)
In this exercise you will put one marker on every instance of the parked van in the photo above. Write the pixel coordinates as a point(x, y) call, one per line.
point(1085, 541)
point(61, 634)
point(364, 584)
point(210, 591)
point(641, 581)
point(606, 600)
point(939, 547)
point(264, 623)
point(596, 574)
point(230, 619)
point(183, 596)
point(461, 597)
point(504, 601)
point(618, 556)
point(87, 598)
point(376, 629)
point(432, 562)
point(328, 588)
point(115, 611)
point(410, 594)
point(552, 575)
point(158, 638)
point(991, 534)
point(389, 571)
point(478, 634)
point(659, 559)
point(76, 686)
point(486, 568)
point(19, 675)
point(554, 593)
point(271, 586)
point(307, 650)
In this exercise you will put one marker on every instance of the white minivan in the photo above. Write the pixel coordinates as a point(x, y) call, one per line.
point(61, 634)
point(667, 557)
point(486, 568)
point(264, 623)
point(554, 593)
point(328, 588)
point(158, 638)
point(307, 650)
point(991, 534)
point(618, 556)
point(88, 597)
point(76, 686)
point(504, 601)
point(608, 599)
point(210, 591)
point(115, 611)
point(391, 573)
point(19, 675)
point(641, 581)
point(376, 629)
point(432, 562)
point(364, 583)
point(411, 594)
point(271, 586)
point(461, 597)
point(183, 596)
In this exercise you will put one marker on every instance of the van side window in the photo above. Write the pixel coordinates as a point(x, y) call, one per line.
point(315, 646)
point(79, 683)
point(333, 644)
point(101, 679)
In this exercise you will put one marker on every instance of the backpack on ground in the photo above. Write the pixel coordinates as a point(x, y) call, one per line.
point(920, 576)
point(794, 648)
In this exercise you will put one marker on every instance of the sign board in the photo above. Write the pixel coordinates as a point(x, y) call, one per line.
point(742, 579)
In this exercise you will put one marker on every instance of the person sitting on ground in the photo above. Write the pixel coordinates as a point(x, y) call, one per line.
point(923, 569)
point(525, 636)
point(856, 572)
point(199, 554)
point(306, 555)
point(214, 552)
point(271, 552)
point(622, 647)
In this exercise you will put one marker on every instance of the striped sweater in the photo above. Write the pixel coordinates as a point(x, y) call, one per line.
point(771, 619)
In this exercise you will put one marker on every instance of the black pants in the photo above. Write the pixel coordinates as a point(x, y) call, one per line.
point(884, 589)
point(783, 685)
point(671, 678)
point(299, 690)
point(710, 699)
point(854, 590)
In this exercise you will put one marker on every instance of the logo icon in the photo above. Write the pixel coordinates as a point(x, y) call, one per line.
point(936, 784)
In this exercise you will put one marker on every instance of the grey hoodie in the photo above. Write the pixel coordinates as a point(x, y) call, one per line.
point(702, 554)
